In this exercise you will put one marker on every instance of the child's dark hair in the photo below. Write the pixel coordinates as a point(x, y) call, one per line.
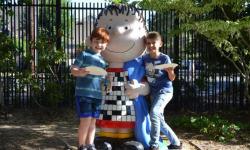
point(100, 33)
point(154, 35)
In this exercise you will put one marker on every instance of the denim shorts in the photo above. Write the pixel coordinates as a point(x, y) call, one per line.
point(88, 107)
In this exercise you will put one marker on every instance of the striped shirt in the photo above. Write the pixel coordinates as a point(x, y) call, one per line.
point(89, 85)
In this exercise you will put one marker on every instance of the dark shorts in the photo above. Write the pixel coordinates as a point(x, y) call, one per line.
point(88, 107)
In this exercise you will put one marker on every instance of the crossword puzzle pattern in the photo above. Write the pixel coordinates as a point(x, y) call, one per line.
point(115, 105)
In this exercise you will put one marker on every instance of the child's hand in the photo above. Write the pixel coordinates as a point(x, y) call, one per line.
point(82, 72)
point(78, 72)
point(106, 84)
point(109, 84)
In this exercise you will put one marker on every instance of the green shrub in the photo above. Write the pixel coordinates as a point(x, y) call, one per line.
point(7, 53)
point(211, 126)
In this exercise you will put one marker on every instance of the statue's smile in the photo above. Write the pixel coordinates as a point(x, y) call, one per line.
point(107, 49)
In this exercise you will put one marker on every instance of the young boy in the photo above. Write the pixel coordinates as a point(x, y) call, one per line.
point(88, 87)
point(161, 90)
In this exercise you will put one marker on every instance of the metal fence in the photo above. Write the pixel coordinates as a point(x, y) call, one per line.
point(197, 87)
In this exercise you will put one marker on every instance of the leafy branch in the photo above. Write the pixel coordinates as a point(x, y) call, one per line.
point(224, 23)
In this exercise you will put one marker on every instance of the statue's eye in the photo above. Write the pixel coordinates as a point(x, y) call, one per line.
point(109, 27)
point(126, 28)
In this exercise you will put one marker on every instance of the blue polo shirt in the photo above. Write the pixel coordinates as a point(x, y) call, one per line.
point(89, 85)
point(157, 78)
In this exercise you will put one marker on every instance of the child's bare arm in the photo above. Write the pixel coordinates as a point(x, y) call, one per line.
point(171, 74)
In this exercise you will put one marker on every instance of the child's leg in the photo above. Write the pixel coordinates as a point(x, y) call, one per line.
point(95, 110)
point(83, 130)
point(157, 109)
point(91, 132)
point(165, 128)
point(84, 111)
point(172, 137)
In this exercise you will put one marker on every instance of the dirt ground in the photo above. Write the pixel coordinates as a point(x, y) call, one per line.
point(33, 130)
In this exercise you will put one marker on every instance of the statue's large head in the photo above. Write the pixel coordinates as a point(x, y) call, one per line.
point(127, 30)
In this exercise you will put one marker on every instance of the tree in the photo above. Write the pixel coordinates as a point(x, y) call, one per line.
point(7, 53)
point(224, 23)
point(50, 53)
point(119, 1)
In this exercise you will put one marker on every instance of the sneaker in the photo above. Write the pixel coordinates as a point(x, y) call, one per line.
point(154, 148)
point(82, 147)
point(107, 146)
point(175, 147)
point(91, 147)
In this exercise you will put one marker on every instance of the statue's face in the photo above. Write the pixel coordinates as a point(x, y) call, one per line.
point(127, 36)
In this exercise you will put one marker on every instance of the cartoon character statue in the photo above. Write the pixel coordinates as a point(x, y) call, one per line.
point(124, 111)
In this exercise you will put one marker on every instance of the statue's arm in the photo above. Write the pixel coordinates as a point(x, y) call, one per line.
point(134, 89)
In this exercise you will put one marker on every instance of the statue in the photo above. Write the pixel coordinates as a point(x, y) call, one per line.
point(124, 112)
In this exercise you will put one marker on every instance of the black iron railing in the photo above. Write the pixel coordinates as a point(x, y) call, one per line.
point(68, 24)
